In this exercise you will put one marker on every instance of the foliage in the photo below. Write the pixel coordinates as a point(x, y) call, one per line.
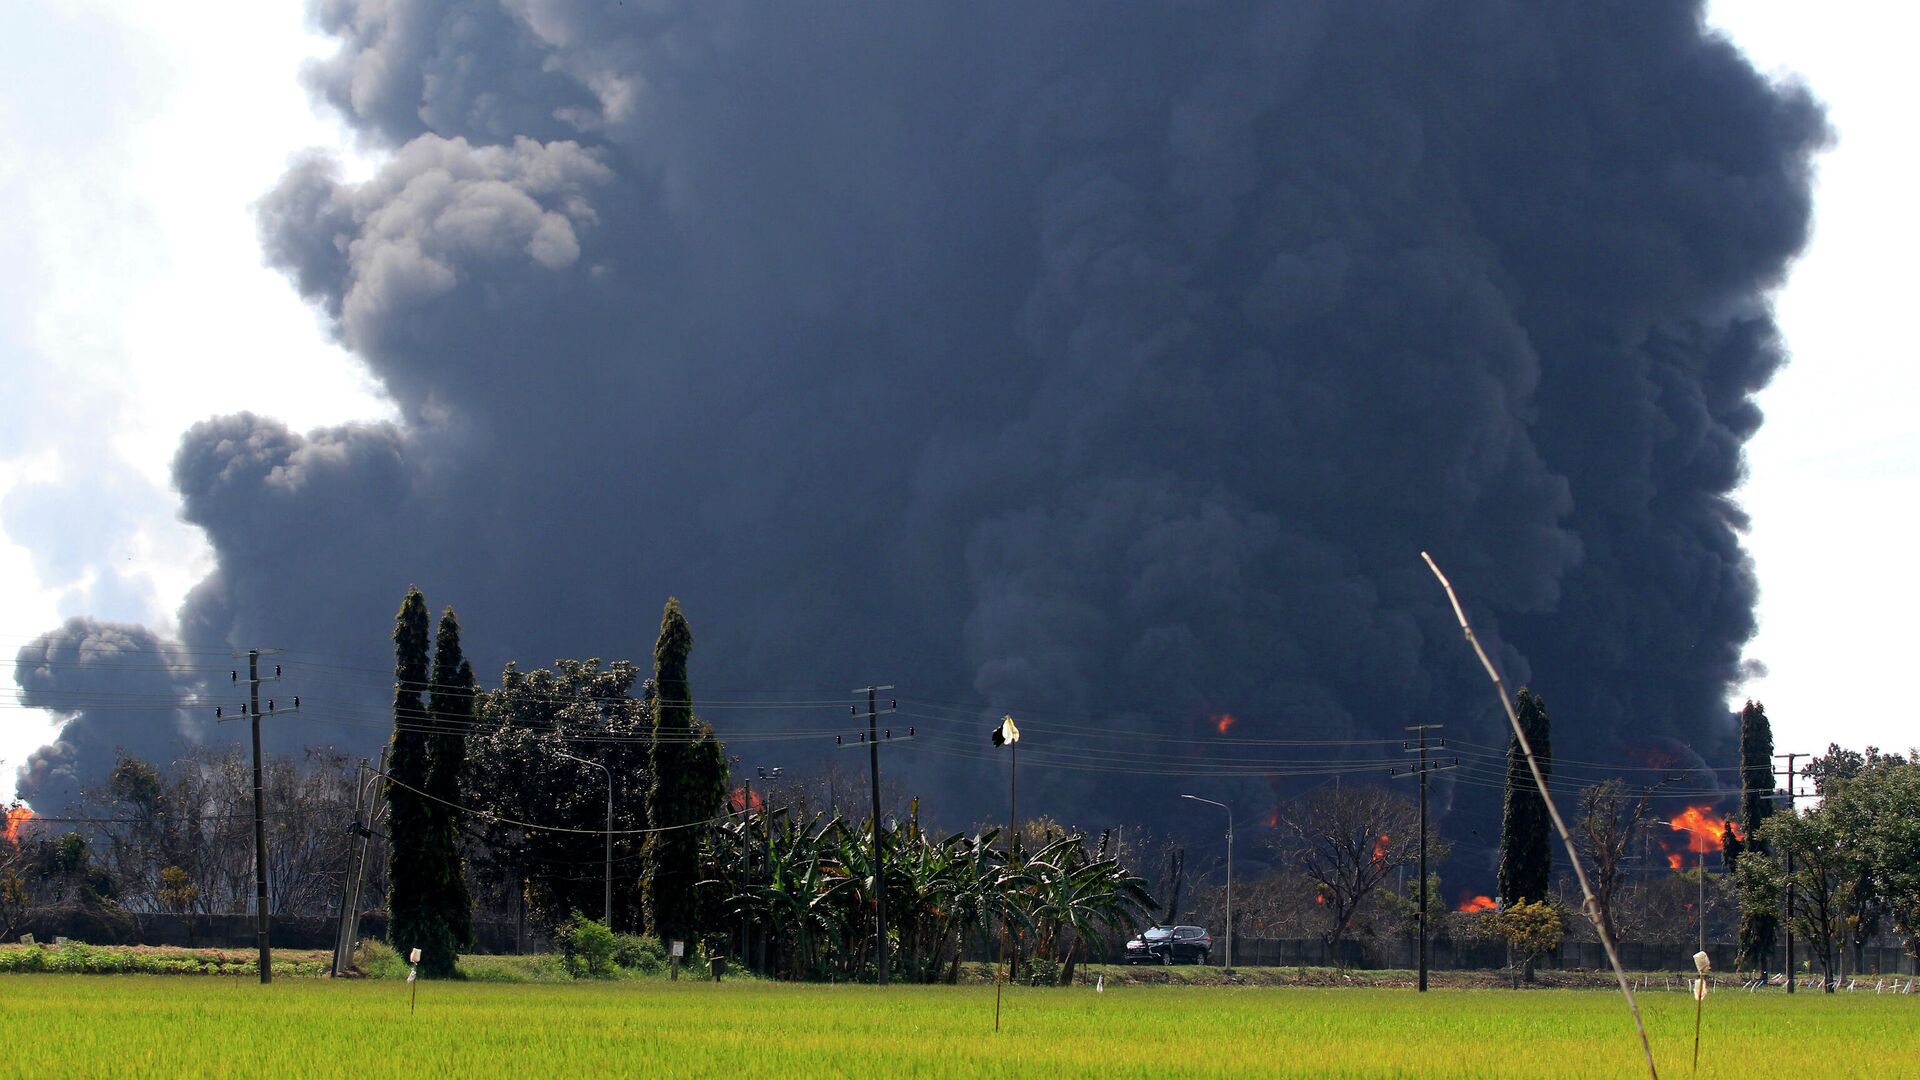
point(1529, 928)
point(76, 958)
point(639, 952)
point(1526, 840)
point(1878, 810)
point(808, 892)
point(1824, 868)
point(1758, 925)
point(516, 773)
point(413, 865)
point(589, 949)
point(688, 786)
point(450, 709)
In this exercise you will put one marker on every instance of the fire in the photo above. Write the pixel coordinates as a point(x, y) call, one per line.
point(1380, 848)
point(1273, 820)
point(738, 800)
point(1704, 829)
point(1675, 859)
point(1476, 904)
point(1222, 722)
point(17, 817)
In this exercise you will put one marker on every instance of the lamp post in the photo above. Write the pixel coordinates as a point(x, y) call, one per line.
point(609, 872)
point(1229, 810)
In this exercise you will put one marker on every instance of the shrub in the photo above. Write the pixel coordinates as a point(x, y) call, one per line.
point(589, 949)
point(377, 960)
point(639, 952)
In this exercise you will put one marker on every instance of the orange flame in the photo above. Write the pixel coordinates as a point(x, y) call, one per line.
point(737, 801)
point(1273, 820)
point(1222, 722)
point(1674, 859)
point(1380, 849)
point(17, 817)
point(1704, 828)
point(1477, 904)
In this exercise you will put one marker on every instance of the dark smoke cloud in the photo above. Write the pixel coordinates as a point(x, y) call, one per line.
point(115, 688)
point(1115, 359)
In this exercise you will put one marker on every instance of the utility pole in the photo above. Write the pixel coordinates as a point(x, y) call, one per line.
point(342, 945)
point(357, 874)
point(1791, 795)
point(879, 867)
point(262, 918)
point(1421, 770)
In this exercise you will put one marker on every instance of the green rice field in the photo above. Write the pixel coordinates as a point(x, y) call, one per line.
point(113, 1025)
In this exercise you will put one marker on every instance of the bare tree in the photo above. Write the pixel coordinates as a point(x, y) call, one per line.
point(1345, 842)
point(1611, 822)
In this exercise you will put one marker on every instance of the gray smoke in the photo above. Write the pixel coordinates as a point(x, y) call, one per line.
point(114, 688)
point(1103, 359)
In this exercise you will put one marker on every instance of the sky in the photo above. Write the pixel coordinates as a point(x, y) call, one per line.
point(135, 302)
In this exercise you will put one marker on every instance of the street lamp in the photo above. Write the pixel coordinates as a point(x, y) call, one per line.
point(609, 873)
point(1229, 810)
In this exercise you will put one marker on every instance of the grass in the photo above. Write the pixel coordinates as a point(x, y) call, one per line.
point(129, 1026)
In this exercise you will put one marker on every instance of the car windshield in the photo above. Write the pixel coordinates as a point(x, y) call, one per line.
point(1158, 933)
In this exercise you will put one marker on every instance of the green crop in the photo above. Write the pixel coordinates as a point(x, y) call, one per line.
point(132, 1026)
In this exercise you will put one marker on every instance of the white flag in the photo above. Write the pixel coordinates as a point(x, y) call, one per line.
point(1008, 732)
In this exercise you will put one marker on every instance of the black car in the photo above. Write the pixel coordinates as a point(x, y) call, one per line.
point(1170, 944)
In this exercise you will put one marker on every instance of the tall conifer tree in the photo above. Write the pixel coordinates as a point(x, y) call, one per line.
point(450, 708)
point(412, 871)
point(688, 784)
point(1526, 842)
point(1757, 930)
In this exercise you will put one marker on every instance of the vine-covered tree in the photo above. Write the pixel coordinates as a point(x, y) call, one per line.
point(1526, 839)
point(688, 785)
point(450, 709)
point(413, 867)
point(1758, 924)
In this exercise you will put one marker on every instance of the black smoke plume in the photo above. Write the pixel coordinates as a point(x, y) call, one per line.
point(1107, 362)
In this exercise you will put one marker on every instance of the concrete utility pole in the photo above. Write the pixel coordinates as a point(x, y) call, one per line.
point(1791, 795)
point(357, 865)
point(1421, 770)
point(879, 867)
point(262, 917)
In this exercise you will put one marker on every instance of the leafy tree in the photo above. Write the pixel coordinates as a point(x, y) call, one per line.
point(1758, 925)
point(688, 786)
point(517, 775)
point(1346, 841)
point(1826, 866)
point(1879, 809)
point(413, 865)
point(450, 710)
point(1526, 839)
point(1529, 928)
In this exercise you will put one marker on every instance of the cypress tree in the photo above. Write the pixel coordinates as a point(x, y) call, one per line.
point(688, 784)
point(1756, 805)
point(450, 710)
point(412, 870)
point(1526, 843)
